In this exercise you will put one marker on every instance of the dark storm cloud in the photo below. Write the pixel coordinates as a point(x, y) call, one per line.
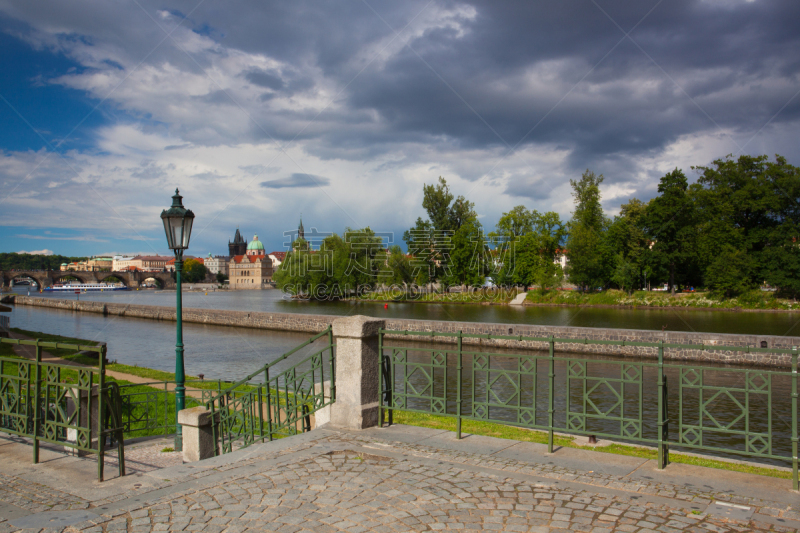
point(535, 189)
point(263, 78)
point(485, 74)
point(297, 181)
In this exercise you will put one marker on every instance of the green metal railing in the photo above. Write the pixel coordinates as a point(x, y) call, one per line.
point(281, 405)
point(721, 410)
point(61, 404)
point(149, 409)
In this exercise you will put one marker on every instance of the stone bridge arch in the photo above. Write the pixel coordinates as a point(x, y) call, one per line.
point(41, 277)
point(124, 277)
point(83, 277)
point(46, 278)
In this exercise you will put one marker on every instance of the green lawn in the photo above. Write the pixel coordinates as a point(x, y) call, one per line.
point(489, 429)
point(751, 300)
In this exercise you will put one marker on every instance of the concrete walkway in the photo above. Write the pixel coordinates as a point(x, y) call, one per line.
point(399, 478)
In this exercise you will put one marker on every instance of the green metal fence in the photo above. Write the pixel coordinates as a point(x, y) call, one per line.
point(148, 409)
point(60, 404)
point(723, 410)
point(270, 404)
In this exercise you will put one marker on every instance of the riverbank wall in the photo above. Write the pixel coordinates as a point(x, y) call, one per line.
point(308, 323)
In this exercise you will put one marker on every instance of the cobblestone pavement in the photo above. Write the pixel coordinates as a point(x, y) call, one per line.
point(345, 482)
point(145, 457)
point(36, 497)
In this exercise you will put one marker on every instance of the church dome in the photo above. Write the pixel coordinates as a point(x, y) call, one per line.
point(255, 244)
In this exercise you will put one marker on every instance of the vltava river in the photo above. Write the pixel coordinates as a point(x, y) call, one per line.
point(230, 353)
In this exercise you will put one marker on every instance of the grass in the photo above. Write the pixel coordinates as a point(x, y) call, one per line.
point(751, 300)
point(68, 355)
point(501, 431)
point(477, 296)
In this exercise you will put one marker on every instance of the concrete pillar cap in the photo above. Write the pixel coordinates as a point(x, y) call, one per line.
point(196, 417)
point(357, 327)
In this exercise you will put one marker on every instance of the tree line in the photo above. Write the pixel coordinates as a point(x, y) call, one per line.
point(15, 261)
point(734, 229)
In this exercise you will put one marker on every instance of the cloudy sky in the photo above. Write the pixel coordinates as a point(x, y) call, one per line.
point(260, 111)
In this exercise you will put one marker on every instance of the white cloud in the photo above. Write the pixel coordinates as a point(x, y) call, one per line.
point(37, 252)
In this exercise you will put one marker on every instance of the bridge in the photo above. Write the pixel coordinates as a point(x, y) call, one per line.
point(47, 278)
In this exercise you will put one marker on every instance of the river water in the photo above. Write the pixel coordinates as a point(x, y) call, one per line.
point(230, 353)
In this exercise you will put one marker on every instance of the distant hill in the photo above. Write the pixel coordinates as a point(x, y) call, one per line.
point(14, 261)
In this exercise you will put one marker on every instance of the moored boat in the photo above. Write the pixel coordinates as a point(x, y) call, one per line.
point(83, 287)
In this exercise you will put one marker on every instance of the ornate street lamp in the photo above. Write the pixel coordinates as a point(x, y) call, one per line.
point(178, 227)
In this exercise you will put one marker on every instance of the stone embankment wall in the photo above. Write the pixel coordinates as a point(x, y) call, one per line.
point(315, 323)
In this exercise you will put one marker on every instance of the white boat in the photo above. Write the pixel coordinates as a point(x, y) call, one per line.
point(83, 287)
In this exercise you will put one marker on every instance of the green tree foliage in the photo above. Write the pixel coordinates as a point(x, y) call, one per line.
point(527, 242)
point(431, 241)
point(15, 261)
point(342, 266)
point(469, 257)
point(194, 271)
point(586, 247)
point(397, 270)
point(729, 273)
point(627, 240)
point(750, 204)
point(670, 224)
point(221, 278)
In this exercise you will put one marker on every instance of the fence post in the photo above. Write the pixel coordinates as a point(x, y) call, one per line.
point(37, 402)
point(333, 364)
point(101, 437)
point(269, 402)
point(795, 484)
point(260, 415)
point(662, 452)
point(381, 392)
point(214, 427)
point(459, 398)
point(356, 378)
point(550, 409)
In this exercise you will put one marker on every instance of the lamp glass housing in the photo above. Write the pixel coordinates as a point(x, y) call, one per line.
point(177, 224)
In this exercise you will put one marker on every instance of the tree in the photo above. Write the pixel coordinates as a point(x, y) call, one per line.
point(626, 273)
point(221, 278)
point(628, 243)
point(397, 269)
point(342, 265)
point(430, 241)
point(729, 273)
point(515, 223)
point(15, 261)
point(588, 258)
point(469, 256)
point(194, 271)
point(670, 224)
point(527, 242)
point(750, 204)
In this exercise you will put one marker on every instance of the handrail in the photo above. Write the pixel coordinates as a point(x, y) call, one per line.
point(56, 345)
point(269, 365)
point(522, 338)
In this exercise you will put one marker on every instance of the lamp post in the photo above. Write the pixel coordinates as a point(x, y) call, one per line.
point(178, 227)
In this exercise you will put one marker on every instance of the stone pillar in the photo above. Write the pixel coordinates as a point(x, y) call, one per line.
point(82, 421)
point(322, 416)
point(356, 405)
point(198, 438)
